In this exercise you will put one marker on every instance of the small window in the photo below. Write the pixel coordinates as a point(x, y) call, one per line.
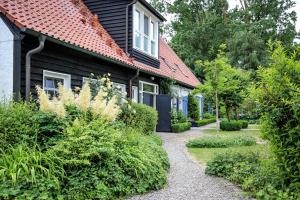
point(148, 93)
point(121, 88)
point(135, 95)
point(51, 81)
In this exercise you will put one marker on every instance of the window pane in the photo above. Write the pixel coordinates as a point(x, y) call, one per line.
point(137, 40)
point(148, 88)
point(146, 25)
point(153, 31)
point(153, 48)
point(146, 40)
point(53, 82)
point(137, 23)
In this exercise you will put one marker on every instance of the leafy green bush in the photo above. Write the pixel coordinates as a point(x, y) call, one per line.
point(208, 116)
point(17, 125)
point(141, 117)
point(102, 162)
point(258, 175)
point(177, 117)
point(244, 123)
point(231, 125)
point(278, 93)
point(216, 142)
point(180, 127)
point(205, 122)
point(27, 173)
point(193, 108)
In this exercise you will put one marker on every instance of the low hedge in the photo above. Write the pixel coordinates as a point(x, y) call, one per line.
point(221, 142)
point(143, 118)
point(180, 127)
point(205, 122)
point(233, 125)
point(244, 123)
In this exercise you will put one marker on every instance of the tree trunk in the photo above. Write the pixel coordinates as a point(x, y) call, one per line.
point(227, 113)
point(217, 111)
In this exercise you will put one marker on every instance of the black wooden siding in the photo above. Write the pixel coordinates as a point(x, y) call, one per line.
point(112, 16)
point(64, 60)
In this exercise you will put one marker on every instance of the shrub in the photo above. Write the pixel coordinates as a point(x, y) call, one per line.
point(27, 173)
point(258, 175)
point(141, 117)
point(205, 122)
point(105, 163)
point(244, 123)
point(208, 116)
point(180, 127)
point(277, 93)
point(16, 124)
point(216, 142)
point(232, 125)
point(193, 108)
point(177, 117)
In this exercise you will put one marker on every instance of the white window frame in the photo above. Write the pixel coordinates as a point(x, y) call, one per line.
point(151, 18)
point(135, 94)
point(141, 91)
point(57, 75)
point(87, 79)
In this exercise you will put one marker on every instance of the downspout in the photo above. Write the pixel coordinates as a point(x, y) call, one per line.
point(42, 39)
point(130, 83)
point(127, 22)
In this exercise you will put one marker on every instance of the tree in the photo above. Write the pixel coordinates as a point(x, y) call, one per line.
point(224, 83)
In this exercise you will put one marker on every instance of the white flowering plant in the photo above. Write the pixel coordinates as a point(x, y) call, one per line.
point(104, 104)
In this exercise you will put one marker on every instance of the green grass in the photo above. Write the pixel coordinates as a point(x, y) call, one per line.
point(203, 155)
point(253, 126)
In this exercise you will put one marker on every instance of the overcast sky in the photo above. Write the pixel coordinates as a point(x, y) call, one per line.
point(234, 3)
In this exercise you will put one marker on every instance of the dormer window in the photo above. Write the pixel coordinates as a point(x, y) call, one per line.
point(145, 31)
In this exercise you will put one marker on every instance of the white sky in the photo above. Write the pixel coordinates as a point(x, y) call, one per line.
point(234, 3)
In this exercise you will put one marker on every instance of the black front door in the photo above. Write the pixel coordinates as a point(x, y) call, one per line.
point(163, 106)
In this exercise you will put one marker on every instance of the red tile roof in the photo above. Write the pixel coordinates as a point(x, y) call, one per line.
point(70, 21)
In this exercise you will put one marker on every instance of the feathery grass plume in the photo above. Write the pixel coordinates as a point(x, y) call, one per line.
point(58, 107)
point(111, 110)
point(99, 103)
point(84, 98)
point(66, 96)
point(45, 103)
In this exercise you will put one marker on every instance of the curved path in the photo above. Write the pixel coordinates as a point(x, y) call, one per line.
point(187, 180)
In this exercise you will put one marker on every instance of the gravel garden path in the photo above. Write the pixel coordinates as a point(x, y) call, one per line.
point(187, 180)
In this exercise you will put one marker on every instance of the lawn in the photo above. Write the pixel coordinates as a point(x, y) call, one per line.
point(203, 155)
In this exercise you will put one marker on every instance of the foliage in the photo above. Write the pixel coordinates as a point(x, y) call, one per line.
point(177, 117)
point(258, 175)
point(232, 125)
point(17, 125)
point(105, 163)
point(224, 83)
point(221, 142)
point(27, 173)
point(278, 92)
point(193, 108)
point(203, 122)
point(208, 116)
point(166, 86)
point(199, 27)
point(141, 117)
point(181, 127)
point(244, 123)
